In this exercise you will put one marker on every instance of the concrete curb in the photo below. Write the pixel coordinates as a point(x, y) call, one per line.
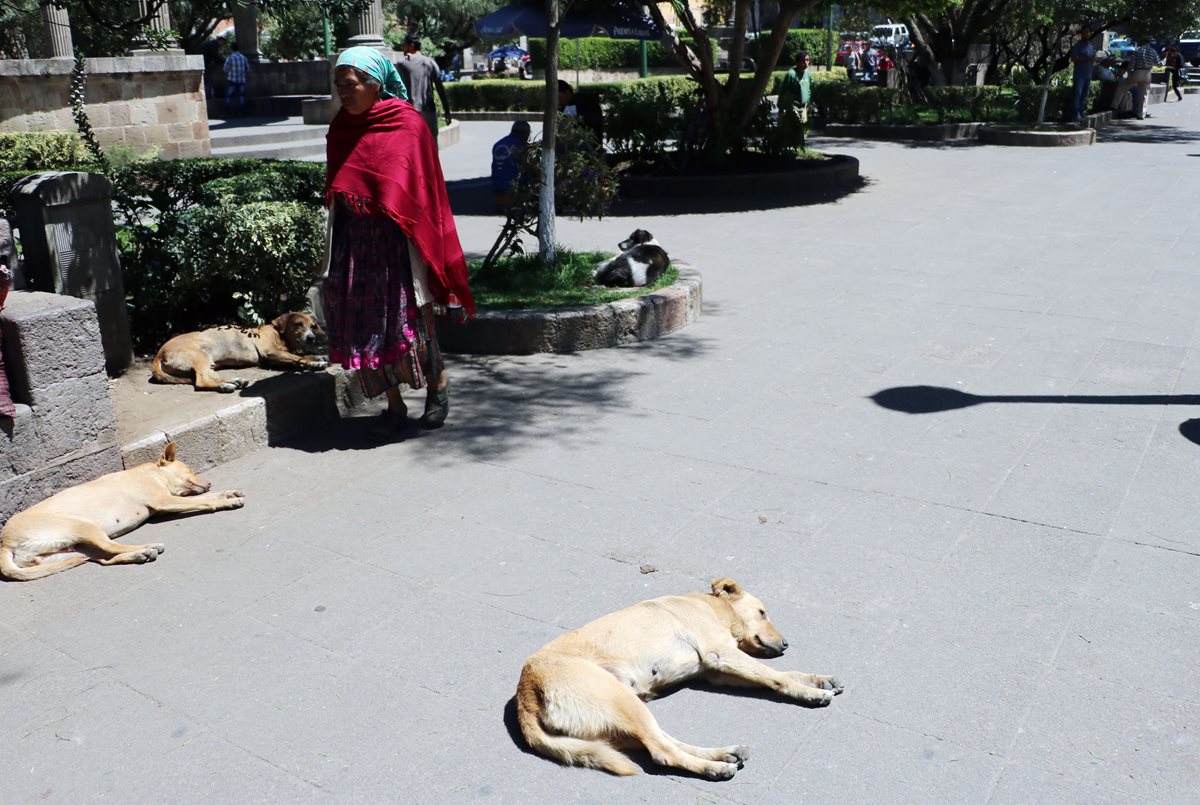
point(449, 135)
point(525, 332)
point(270, 410)
point(995, 135)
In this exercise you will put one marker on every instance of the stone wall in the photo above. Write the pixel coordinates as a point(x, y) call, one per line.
point(64, 432)
point(286, 78)
point(136, 101)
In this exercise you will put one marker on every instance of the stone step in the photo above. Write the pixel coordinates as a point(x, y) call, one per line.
point(266, 135)
point(310, 150)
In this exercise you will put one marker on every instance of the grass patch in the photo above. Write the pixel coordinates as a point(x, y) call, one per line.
point(522, 282)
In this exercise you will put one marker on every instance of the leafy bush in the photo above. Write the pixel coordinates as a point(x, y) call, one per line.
point(798, 39)
point(39, 151)
point(602, 53)
point(843, 102)
point(258, 256)
point(206, 241)
point(643, 115)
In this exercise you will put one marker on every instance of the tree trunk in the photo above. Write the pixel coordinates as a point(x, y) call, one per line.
point(1045, 94)
point(547, 248)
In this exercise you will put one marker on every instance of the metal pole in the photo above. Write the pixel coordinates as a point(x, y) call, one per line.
point(325, 30)
point(644, 66)
point(829, 39)
point(576, 64)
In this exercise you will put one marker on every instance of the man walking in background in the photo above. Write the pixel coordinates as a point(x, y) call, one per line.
point(236, 68)
point(795, 92)
point(421, 75)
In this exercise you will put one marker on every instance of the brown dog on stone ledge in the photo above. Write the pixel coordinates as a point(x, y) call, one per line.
point(78, 524)
point(195, 357)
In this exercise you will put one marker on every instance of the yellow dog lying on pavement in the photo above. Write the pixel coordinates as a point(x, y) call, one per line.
point(77, 524)
point(195, 357)
point(580, 696)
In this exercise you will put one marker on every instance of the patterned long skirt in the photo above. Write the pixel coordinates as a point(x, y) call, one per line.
point(374, 323)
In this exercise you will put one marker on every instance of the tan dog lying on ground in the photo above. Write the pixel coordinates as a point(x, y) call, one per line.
point(195, 357)
point(580, 696)
point(77, 524)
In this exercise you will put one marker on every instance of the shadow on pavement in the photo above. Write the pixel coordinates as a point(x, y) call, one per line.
point(500, 403)
point(474, 197)
point(1142, 132)
point(217, 124)
point(938, 399)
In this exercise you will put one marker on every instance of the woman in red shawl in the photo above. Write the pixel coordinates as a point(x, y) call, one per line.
point(394, 252)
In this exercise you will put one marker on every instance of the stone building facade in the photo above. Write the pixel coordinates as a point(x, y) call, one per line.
point(138, 101)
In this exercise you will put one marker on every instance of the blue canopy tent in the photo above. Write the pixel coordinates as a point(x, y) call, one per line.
point(616, 21)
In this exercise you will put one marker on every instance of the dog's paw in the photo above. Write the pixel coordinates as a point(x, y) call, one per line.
point(737, 754)
point(158, 547)
point(316, 365)
point(828, 683)
point(721, 771)
point(231, 493)
point(233, 385)
point(147, 554)
point(232, 500)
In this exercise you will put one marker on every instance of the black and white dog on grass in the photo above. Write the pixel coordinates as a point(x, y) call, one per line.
point(640, 262)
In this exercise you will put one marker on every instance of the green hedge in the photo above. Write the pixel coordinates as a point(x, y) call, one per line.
point(843, 102)
point(798, 39)
point(216, 241)
point(602, 53)
point(39, 151)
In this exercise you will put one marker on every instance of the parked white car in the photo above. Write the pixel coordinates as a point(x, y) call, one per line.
point(893, 34)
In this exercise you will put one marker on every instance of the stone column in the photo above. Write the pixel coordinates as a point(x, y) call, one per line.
point(159, 23)
point(58, 32)
point(366, 28)
point(70, 248)
point(245, 26)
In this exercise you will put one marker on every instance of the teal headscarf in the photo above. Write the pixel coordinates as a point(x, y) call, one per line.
point(374, 64)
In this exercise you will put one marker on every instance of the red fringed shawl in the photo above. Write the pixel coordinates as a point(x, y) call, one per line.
point(385, 160)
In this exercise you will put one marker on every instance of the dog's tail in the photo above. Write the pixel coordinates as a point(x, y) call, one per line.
point(159, 375)
point(593, 754)
point(13, 572)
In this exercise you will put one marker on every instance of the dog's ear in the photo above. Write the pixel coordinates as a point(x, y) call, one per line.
point(168, 454)
point(726, 587)
point(281, 322)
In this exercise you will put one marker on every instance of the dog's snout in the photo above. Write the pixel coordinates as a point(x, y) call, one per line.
point(783, 644)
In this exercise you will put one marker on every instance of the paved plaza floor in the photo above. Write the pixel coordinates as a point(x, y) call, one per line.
point(1008, 588)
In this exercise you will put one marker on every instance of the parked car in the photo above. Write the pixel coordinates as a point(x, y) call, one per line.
point(1121, 48)
point(509, 59)
point(1189, 47)
point(891, 34)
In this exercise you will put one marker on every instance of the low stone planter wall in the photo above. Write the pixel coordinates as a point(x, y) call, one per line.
point(882, 131)
point(525, 332)
point(64, 432)
point(839, 172)
point(997, 135)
